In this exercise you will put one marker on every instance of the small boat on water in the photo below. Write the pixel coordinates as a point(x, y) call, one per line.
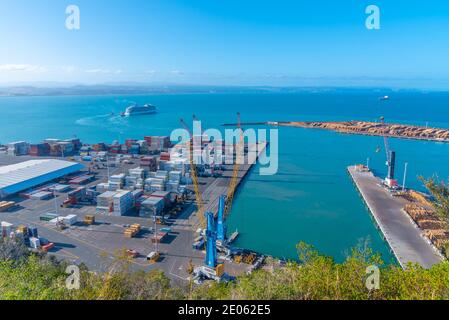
point(233, 237)
point(136, 110)
point(384, 98)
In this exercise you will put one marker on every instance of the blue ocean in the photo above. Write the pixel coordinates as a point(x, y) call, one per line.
point(311, 198)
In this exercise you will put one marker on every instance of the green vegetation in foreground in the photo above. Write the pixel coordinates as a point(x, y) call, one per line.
point(29, 276)
point(440, 192)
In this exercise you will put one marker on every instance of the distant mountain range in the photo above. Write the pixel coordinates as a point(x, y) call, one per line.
point(136, 89)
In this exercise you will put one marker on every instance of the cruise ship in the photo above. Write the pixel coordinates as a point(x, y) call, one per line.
point(136, 110)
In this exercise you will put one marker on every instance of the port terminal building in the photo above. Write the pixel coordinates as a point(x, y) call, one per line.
point(29, 174)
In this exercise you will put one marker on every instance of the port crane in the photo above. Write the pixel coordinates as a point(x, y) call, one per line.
point(215, 229)
point(225, 202)
point(233, 184)
point(234, 178)
point(211, 268)
point(221, 227)
point(390, 181)
point(194, 176)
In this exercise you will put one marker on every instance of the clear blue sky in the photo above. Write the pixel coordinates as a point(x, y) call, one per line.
point(236, 42)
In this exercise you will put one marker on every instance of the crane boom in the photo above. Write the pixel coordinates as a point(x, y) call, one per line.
point(194, 176)
point(391, 159)
point(387, 148)
point(235, 172)
point(386, 143)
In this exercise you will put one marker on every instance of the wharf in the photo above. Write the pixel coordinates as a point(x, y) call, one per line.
point(405, 239)
point(220, 185)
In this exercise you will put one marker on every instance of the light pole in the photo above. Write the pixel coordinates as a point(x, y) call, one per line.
point(107, 164)
point(155, 232)
point(55, 201)
point(405, 175)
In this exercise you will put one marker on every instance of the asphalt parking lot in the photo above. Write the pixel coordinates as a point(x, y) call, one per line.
point(98, 245)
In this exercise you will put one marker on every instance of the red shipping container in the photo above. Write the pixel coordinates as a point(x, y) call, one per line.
point(130, 142)
point(159, 237)
point(48, 246)
point(165, 156)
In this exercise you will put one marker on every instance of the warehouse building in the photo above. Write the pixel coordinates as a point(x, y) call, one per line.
point(25, 175)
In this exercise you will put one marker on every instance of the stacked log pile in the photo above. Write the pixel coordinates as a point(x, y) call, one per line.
point(377, 129)
point(434, 228)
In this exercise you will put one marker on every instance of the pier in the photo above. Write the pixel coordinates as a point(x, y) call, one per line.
point(405, 239)
point(220, 186)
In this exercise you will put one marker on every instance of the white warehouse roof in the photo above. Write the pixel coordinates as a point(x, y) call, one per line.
point(21, 176)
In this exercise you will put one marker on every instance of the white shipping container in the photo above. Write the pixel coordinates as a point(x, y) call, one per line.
point(70, 219)
point(35, 243)
point(162, 174)
point(60, 188)
point(123, 201)
point(153, 181)
point(56, 220)
point(174, 176)
point(114, 186)
point(41, 195)
point(102, 187)
point(172, 187)
point(118, 178)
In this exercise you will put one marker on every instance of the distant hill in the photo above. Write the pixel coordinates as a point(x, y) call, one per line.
point(136, 89)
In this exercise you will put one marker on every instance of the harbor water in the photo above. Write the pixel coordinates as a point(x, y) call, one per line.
point(310, 199)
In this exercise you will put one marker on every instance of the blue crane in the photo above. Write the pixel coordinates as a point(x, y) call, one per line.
point(211, 241)
point(391, 160)
point(221, 226)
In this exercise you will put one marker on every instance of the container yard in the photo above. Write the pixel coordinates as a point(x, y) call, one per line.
point(139, 195)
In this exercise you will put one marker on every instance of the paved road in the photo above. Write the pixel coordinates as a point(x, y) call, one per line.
point(404, 237)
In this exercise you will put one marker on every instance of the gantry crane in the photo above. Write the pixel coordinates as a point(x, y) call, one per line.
point(211, 268)
point(239, 150)
point(194, 176)
point(391, 160)
point(225, 202)
point(216, 229)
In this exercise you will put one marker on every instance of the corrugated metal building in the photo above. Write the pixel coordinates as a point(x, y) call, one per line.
point(22, 176)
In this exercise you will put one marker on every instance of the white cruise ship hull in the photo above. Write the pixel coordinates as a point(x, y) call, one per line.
point(127, 114)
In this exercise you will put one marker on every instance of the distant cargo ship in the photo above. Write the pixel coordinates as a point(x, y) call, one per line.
point(136, 110)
